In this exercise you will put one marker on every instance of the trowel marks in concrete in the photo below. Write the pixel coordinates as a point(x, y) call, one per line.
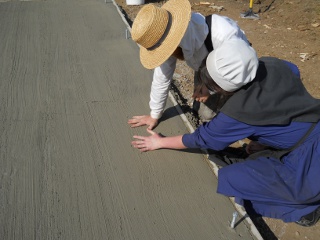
point(69, 82)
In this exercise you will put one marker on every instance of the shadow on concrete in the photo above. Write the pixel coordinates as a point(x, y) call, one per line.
point(169, 113)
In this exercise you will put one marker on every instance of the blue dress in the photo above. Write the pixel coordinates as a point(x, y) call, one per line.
point(286, 189)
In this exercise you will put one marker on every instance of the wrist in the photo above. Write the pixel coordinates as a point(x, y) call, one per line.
point(161, 143)
point(174, 142)
point(155, 115)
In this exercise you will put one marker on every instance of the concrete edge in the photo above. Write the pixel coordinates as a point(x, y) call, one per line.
point(212, 165)
point(215, 169)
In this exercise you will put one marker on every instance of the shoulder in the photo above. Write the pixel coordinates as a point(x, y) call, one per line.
point(223, 121)
point(222, 19)
point(197, 17)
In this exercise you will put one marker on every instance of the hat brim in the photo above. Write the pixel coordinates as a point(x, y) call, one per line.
point(181, 13)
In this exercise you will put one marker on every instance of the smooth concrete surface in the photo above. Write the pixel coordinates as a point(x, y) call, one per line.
point(69, 81)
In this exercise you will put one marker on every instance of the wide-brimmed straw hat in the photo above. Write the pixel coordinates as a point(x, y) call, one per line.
point(159, 30)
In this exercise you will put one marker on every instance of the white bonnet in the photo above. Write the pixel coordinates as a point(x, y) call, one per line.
point(233, 64)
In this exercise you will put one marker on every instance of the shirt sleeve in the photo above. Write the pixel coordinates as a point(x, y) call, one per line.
point(223, 130)
point(217, 134)
point(162, 77)
point(294, 68)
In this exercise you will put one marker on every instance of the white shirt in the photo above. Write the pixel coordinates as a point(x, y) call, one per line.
point(194, 52)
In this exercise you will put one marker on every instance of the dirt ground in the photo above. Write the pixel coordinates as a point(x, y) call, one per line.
point(287, 29)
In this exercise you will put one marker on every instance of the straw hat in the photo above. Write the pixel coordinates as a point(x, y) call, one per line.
point(159, 31)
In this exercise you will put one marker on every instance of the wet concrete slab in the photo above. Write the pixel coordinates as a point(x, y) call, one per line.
point(69, 80)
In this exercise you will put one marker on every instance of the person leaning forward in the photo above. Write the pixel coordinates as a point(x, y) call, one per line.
point(172, 32)
point(269, 105)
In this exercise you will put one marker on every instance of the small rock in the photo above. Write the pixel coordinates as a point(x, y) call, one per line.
point(216, 8)
point(205, 3)
point(303, 28)
point(304, 56)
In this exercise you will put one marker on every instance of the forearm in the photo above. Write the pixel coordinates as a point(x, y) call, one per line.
point(158, 98)
point(174, 142)
point(156, 141)
point(160, 87)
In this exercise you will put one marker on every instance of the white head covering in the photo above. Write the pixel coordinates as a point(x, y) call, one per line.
point(233, 64)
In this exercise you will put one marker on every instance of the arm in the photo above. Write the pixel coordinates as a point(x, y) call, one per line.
point(218, 134)
point(156, 141)
point(162, 77)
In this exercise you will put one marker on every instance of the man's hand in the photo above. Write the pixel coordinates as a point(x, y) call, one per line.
point(148, 143)
point(137, 121)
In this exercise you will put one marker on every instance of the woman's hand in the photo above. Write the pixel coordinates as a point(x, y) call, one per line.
point(137, 121)
point(148, 143)
point(254, 147)
point(201, 94)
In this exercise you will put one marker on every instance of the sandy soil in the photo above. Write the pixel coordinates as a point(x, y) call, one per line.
point(288, 29)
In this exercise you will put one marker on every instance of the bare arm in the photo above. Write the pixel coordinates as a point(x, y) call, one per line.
point(156, 141)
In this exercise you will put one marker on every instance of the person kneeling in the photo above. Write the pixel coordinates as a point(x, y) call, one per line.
point(269, 105)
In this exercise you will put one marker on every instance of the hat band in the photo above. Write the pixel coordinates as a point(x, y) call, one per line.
point(164, 35)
